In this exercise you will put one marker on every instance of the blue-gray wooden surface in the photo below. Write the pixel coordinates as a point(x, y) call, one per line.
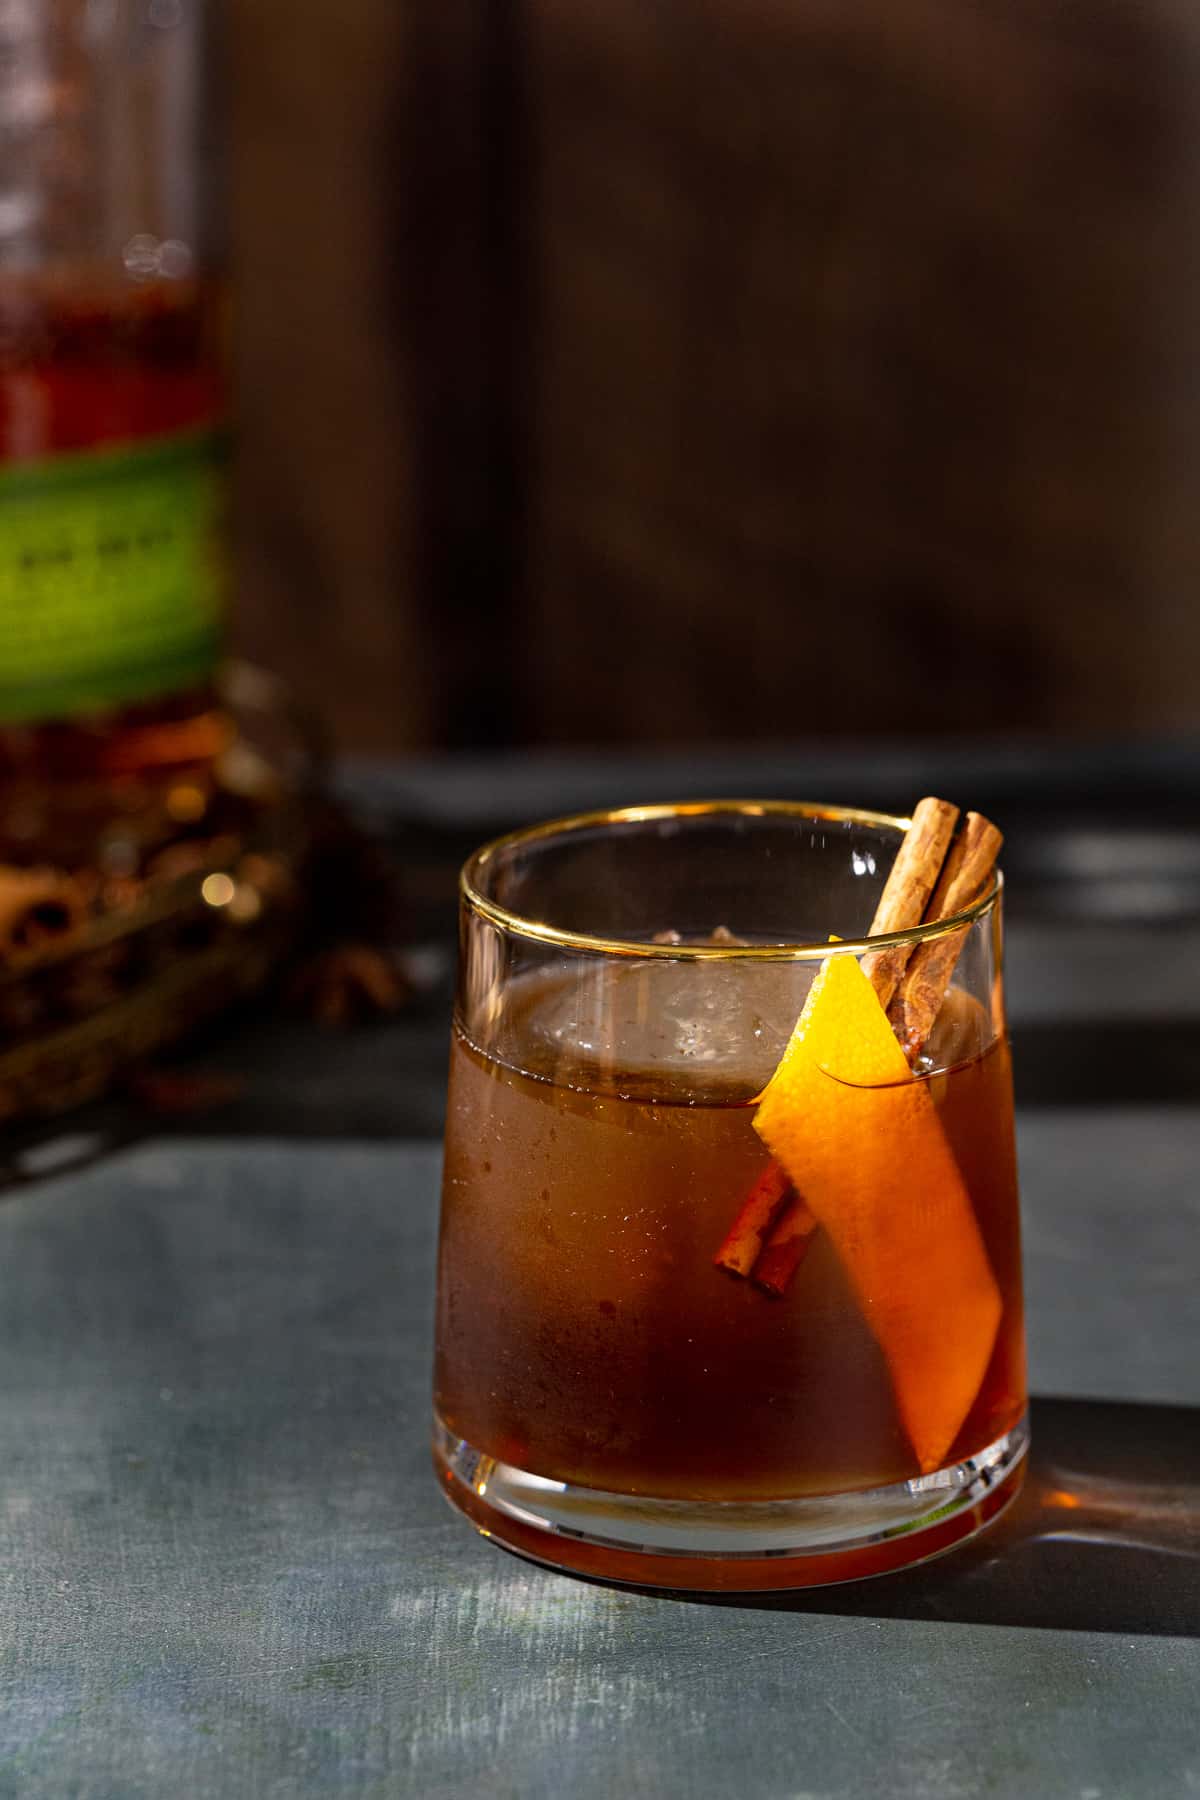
point(227, 1571)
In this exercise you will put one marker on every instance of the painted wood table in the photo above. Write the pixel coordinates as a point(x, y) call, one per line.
point(226, 1570)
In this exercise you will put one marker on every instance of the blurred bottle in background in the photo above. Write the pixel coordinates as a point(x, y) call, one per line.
point(113, 401)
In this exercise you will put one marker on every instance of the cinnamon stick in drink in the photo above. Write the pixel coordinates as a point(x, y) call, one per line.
point(968, 870)
point(907, 890)
point(770, 1241)
point(747, 1236)
point(786, 1247)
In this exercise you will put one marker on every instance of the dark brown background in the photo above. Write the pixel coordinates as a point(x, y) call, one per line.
point(698, 369)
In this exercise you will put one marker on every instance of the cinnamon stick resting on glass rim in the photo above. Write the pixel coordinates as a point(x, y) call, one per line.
point(933, 877)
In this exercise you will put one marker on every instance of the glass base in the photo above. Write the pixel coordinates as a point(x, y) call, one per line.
point(730, 1546)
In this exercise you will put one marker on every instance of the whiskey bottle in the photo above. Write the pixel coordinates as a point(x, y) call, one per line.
point(113, 409)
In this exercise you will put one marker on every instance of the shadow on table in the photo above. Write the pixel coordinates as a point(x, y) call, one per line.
point(1104, 1537)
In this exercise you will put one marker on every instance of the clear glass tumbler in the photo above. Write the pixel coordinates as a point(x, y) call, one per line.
point(611, 1396)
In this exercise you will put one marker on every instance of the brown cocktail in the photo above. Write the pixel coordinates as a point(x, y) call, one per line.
point(724, 1300)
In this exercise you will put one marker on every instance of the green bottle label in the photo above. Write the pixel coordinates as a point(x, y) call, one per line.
point(112, 584)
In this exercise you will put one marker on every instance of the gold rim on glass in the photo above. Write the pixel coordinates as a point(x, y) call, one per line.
point(517, 925)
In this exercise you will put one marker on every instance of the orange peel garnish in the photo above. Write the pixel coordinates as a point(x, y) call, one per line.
point(860, 1138)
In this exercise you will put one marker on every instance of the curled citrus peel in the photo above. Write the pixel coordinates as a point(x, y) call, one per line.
point(860, 1138)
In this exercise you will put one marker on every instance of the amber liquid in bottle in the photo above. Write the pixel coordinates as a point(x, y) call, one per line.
point(89, 364)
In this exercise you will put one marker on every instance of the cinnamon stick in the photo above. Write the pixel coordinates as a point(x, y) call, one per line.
point(767, 1239)
point(786, 1248)
point(967, 872)
point(747, 1236)
point(907, 890)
